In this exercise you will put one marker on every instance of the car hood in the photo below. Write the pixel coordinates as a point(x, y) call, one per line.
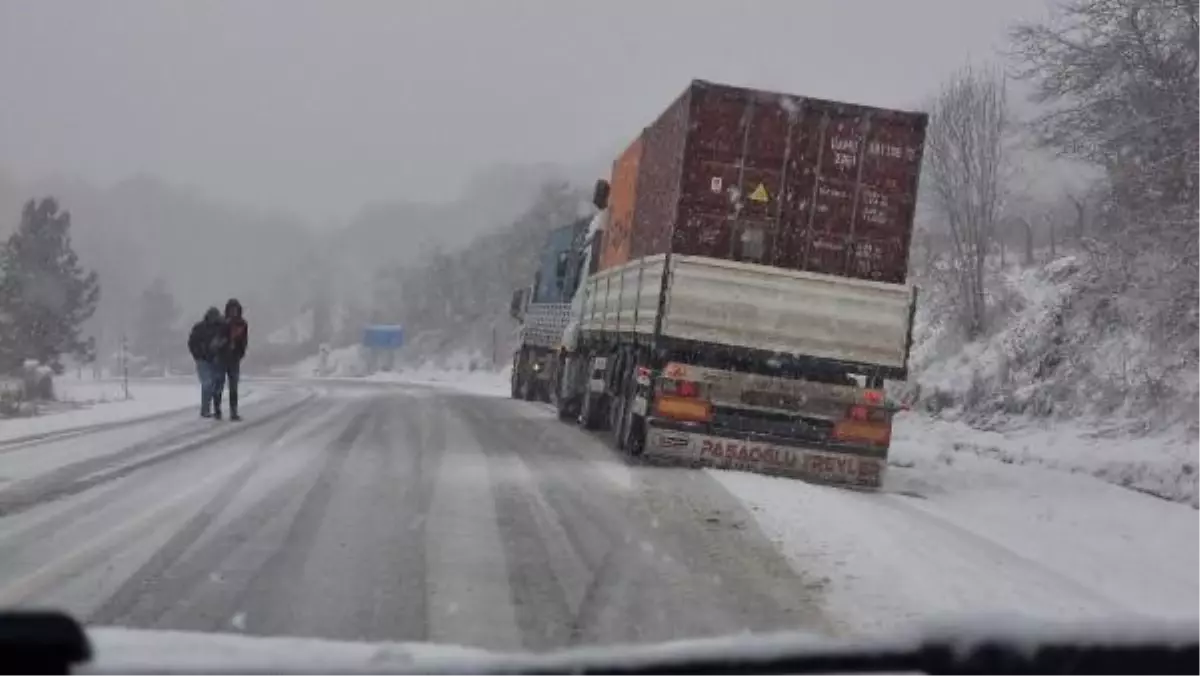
point(120, 650)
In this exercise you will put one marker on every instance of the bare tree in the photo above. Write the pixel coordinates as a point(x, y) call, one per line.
point(965, 155)
point(1119, 78)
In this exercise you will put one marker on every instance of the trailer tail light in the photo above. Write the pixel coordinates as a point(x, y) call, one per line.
point(682, 400)
point(873, 397)
point(681, 388)
point(682, 408)
point(874, 433)
point(864, 424)
point(860, 413)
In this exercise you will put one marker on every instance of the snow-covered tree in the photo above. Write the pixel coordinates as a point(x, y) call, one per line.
point(157, 337)
point(455, 299)
point(1119, 80)
point(45, 294)
point(964, 176)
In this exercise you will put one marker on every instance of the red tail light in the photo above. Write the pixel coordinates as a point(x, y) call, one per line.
point(858, 413)
point(873, 397)
point(680, 388)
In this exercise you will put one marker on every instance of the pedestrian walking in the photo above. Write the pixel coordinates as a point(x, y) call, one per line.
point(204, 342)
point(238, 336)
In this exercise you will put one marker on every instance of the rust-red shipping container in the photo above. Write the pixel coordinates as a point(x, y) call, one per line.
point(778, 179)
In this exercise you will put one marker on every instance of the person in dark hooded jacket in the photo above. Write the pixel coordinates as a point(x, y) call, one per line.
point(206, 342)
point(235, 348)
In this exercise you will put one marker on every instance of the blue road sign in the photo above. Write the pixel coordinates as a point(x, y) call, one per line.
point(383, 336)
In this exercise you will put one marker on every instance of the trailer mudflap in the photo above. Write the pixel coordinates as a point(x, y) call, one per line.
point(780, 459)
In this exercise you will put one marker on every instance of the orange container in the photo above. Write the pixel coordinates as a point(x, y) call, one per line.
point(621, 202)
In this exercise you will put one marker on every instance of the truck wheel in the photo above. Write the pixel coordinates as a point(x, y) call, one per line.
point(565, 410)
point(528, 388)
point(515, 381)
point(630, 432)
point(633, 433)
point(593, 415)
point(564, 402)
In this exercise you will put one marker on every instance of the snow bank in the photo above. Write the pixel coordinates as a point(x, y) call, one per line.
point(1162, 464)
point(1064, 345)
point(92, 402)
point(462, 371)
point(482, 382)
point(343, 362)
point(958, 532)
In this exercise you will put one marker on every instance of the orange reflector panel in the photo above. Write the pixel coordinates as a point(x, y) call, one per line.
point(682, 408)
point(854, 430)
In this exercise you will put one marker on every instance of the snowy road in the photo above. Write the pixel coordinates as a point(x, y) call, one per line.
point(385, 512)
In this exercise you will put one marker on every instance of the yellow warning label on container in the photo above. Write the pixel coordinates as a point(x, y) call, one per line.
point(760, 194)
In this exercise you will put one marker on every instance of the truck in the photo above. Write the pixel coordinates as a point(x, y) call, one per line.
point(747, 298)
point(543, 310)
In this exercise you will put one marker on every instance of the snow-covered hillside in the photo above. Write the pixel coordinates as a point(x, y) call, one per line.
point(1057, 349)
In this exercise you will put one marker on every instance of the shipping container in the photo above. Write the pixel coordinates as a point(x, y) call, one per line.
point(787, 181)
point(621, 202)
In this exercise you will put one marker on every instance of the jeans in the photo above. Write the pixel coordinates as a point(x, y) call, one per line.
point(218, 385)
point(233, 373)
point(205, 371)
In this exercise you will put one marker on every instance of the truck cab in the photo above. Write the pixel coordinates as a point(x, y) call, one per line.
point(542, 309)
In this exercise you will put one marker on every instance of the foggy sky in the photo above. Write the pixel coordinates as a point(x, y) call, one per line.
point(318, 107)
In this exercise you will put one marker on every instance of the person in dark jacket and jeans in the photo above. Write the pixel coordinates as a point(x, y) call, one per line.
point(205, 342)
point(235, 348)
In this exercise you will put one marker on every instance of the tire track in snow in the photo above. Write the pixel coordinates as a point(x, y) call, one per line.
point(267, 589)
point(141, 600)
point(650, 546)
point(999, 553)
point(80, 476)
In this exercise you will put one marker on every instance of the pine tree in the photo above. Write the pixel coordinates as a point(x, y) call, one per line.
point(156, 337)
point(45, 294)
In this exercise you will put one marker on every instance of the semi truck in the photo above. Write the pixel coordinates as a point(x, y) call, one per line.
point(747, 298)
point(543, 310)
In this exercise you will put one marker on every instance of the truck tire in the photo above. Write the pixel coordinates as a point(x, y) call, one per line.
point(630, 434)
point(515, 379)
point(633, 433)
point(565, 402)
point(528, 387)
point(619, 405)
point(594, 411)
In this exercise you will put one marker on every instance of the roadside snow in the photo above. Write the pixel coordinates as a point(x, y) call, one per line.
point(481, 382)
point(1162, 464)
point(960, 532)
point(460, 371)
point(92, 402)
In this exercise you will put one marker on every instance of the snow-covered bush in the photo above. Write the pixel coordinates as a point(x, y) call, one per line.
point(1066, 341)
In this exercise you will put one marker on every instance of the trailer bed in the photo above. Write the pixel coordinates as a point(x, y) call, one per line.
point(755, 307)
